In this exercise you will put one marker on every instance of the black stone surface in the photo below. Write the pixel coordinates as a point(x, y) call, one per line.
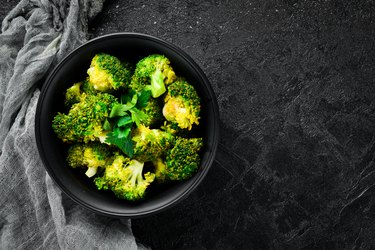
point(295, 86)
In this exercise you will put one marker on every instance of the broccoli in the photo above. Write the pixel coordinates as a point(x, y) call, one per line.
point(150, 144)
point(85, 119)
point(153, 110)
point(182, 105)
point(73, 94)
point(77, 91)
point(122, 121)
point(89, 155)
point(88, 88)
point(160, 170)
point(107, 73)
point(174, 129)
point(183, 160)
point(153, 72)
point(124, 177)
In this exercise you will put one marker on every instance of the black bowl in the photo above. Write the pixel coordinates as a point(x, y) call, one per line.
point(71, 69)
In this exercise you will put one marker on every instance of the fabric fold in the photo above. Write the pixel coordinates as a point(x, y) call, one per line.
point(35, 214)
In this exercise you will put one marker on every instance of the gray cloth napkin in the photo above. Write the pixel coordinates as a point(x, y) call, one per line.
point(34, 214)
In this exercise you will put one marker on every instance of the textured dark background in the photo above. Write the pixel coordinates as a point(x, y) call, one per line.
point(295, 86)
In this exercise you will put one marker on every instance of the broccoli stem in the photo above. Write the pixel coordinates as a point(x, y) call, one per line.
point(157, 84)
point(91, 171)
point(137, 168)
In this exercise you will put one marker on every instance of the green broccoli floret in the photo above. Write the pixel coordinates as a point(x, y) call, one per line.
point(88, 88)
point(73, 94)
point(160, 170)
point(182, 105)
point(88, 155)
point(85, 119)
point(174, 129)
point(124, 177)
point(76, 93)
point(107, 73)
point(150, 144)
point(153, 72)
point(153, 110)
point(183, 160)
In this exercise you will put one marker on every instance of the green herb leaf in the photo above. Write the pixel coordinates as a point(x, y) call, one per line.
point(143, 98)
point(134, 99)
point(122, 139)
point(127, 97)
point(124, 121)
point(107, 125)
point(124, 115)
point(120, 109)
point(138, 116)
point(130, 97)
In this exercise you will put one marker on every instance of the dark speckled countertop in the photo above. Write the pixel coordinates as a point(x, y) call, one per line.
point(295, 86)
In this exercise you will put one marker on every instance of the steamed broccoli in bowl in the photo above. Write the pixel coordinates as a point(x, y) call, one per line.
point(125, 178)
point(108, 73)
point(84, 121)
point(182, 105)
point(130, 131)
point(90, 156)
point(154, 73)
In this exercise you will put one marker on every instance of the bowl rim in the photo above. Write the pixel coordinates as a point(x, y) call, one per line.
point(212, 98)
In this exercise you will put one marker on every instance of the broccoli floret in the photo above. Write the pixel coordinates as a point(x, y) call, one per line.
point(160, 170)
point(153, 72)
point(73, 94)
point(124, 177)
point(182, 105)
point(153, 110)
point(183, 160)
point(85, 119)
point(88, 88)
point(174, 129)
point(107, 73)
point(89, 155)
point(77, 92)
point(150, 144)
